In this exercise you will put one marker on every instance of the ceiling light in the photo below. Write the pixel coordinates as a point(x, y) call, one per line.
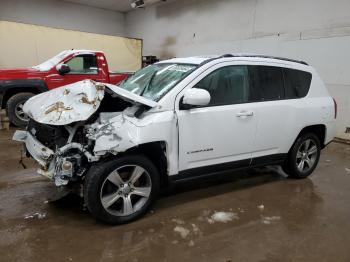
point(137, 4)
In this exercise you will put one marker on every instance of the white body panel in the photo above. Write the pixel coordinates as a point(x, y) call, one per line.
point(206, 136)
point(74, 102)
point(272, 129)
point(132, 132)
point(201, 131)
point(66, 104)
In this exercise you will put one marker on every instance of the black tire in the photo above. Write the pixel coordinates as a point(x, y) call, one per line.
point(11, 108)
point(290, 166)
point(94, 186)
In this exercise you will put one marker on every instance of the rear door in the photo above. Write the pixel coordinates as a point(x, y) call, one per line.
point(274, 113)
point(221, 134)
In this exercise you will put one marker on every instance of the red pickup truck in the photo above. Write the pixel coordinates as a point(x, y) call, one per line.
point(69, 66)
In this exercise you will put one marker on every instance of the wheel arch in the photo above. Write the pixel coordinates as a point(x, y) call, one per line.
point(13, 87)
point(17, 90)
point(319, 130)
point(157, 153)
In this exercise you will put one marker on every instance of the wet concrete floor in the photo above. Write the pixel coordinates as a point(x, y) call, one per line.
point(268, 217)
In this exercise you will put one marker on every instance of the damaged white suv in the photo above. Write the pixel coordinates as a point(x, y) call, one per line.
point(176, 120)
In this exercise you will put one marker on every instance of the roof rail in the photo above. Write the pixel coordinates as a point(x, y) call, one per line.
point(226, 55)
point(274, 57)
point(257, 56)
point(214, 58)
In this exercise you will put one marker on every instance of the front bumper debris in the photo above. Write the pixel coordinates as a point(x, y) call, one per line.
point(42, 154)
point(56, 166)
point(38, 151)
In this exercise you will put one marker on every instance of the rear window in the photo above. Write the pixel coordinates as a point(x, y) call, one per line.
point(266, 83)
point(83, 64)
point(297, 83)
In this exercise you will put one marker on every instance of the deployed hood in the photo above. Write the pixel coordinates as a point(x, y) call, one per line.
point(75, 102)
point(131, 97)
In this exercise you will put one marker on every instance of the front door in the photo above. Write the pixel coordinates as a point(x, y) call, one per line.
point(221, 134)
point(82, 67)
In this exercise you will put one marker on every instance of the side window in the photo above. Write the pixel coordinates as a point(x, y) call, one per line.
point(227, 85)
point(83, 64)
point(267, 83)
point(296, 82)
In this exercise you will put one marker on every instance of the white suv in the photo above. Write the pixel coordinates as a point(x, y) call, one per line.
point(176, 120)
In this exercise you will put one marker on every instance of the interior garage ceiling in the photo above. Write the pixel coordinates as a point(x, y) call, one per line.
point(116, 5)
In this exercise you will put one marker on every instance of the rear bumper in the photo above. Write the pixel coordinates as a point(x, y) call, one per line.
point(331, 130)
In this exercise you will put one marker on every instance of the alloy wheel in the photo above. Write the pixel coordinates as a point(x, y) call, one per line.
point(306, 155)
point(20, 113)
point(126, 190)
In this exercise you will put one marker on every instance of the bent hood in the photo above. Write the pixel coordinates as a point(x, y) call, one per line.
point(75, 102)
point(131, 97)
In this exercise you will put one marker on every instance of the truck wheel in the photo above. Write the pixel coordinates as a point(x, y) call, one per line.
point(14, 108)
point(303, 157)
point(121, 190)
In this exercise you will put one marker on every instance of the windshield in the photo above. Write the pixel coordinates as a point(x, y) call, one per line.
point(47, 65)
point(154, 81)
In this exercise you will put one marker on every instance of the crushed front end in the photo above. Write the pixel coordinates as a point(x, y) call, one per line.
point(60, 157)
point(74, 126)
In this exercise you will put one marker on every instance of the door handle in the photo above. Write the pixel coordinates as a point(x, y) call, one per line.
point(245, 114)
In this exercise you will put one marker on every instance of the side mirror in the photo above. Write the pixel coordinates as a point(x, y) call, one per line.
point(63, 69)
point(195, 97)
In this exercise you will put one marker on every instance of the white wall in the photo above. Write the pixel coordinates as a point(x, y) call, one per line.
point(317, 31)
point(60, 14)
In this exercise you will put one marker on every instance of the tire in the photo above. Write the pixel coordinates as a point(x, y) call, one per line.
point(14, 109)
point(109, 201)
point(307, 149)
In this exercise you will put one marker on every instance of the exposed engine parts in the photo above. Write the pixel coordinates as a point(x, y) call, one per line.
point(67, 141)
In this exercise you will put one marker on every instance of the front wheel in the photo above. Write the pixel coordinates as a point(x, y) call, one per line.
point(14, 108)
point(121, 190)
point(303, 156)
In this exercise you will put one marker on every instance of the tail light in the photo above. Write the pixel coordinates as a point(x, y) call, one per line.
point(335, 108)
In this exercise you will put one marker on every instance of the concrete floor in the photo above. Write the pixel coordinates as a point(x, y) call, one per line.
point(274, 218)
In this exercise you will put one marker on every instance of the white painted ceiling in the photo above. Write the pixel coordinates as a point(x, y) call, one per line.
point(116, 5)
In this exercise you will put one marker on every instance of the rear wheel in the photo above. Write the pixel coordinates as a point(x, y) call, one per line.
point(121, 190)
point(303, 157)
point(14, 108)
